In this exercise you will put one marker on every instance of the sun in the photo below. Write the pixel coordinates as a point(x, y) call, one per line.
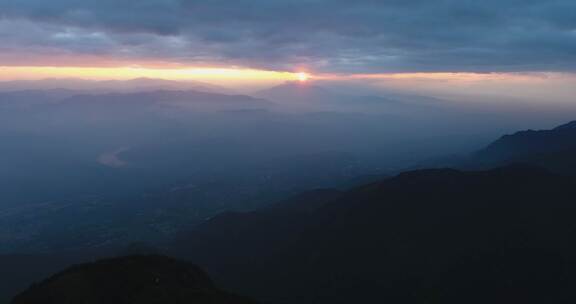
point(302, 77)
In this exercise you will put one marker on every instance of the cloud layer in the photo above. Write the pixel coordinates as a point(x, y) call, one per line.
point(360, 36)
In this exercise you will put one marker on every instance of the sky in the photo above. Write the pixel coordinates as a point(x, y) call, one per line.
point(275, 39)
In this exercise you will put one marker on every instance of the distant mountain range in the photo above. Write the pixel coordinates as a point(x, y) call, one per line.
point(190, 100)
point(118, 86)
point(294, 91)
point(112, 102)
point(289, 95)
point(313, 96)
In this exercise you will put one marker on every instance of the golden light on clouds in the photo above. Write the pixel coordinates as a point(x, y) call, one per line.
point(240, 79)
point(245, 78)
point(123, 73)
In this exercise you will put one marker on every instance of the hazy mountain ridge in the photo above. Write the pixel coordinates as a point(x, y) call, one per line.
point(118, 86)
point(318, 97)
point(552, 149)
point(148, 99)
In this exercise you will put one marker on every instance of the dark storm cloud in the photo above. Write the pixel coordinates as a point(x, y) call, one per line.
point(329, 35)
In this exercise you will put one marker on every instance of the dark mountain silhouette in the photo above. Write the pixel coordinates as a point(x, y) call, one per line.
point(429, 236)
point(553, 149)
point(133, 279)
point(235, 238)
point(20, 270)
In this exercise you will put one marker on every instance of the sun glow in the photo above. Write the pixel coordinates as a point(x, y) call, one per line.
point(302, 77)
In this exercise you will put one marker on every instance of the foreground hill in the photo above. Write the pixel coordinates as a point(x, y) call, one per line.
point(135, 279)
point(430, 236)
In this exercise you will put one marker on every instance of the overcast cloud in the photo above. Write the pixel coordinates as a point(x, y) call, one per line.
point(361, 36)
